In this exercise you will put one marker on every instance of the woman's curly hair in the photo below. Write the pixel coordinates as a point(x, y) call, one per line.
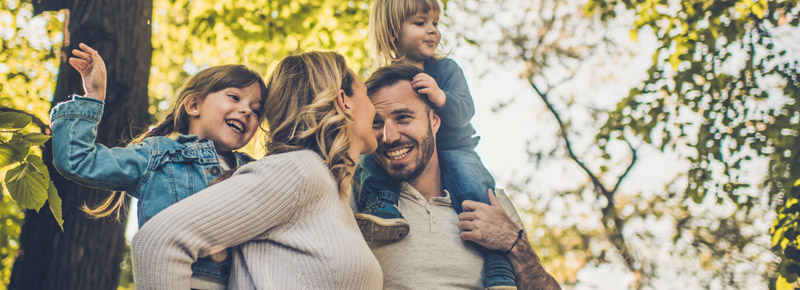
point(302, 111)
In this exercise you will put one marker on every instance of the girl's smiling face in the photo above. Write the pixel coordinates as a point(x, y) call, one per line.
point(419, 37)
point(228, 117)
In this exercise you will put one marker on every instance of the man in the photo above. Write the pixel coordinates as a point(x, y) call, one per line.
point(437, 253)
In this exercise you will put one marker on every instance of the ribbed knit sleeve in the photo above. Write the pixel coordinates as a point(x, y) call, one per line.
point(259, 197)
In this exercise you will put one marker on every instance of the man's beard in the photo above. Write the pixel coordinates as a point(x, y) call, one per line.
point(427, 148)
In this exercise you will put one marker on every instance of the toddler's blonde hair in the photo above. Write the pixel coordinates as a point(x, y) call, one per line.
point(386, 20)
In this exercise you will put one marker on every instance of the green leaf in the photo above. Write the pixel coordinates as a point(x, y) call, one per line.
point(55, 204)
point(14, 120)
point(10, 154)
point(27, 186)
point(38, 164)
point(36, 138)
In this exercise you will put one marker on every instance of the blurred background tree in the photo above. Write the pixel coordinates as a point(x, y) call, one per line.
point(715, 113)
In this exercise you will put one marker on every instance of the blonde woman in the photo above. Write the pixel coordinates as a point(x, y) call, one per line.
point(286, 217)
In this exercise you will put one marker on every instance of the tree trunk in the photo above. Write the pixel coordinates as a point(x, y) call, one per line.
point(88, 253)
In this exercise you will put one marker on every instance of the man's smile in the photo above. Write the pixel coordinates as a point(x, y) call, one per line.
point(396, 154)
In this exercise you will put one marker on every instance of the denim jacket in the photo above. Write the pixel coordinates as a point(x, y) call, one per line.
point(159, 171)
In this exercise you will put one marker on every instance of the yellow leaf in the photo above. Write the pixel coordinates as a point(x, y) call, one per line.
point(634, 34)
point(758, 9)
point(777, 236)
point(782, 284)
point(674, 61)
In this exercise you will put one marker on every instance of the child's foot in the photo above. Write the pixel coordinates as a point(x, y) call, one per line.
point(381, 221)
point(497, 272)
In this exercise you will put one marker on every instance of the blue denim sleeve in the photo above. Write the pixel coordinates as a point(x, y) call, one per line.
point(77, 157)
point(458, 108)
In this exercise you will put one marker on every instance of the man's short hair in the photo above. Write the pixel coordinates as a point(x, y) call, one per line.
point(390, 75)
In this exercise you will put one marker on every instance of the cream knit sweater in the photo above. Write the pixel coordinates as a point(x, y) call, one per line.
point(284, 220)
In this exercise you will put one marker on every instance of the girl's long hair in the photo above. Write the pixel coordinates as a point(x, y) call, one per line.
point(302, 110)
point(385, 22)
point(207, 81)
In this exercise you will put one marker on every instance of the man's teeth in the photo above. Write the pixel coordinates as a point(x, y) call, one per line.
point(397, 154)
point(236, 125)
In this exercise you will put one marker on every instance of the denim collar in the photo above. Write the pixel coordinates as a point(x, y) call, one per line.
point(203, 149)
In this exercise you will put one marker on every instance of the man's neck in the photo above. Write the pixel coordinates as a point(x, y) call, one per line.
point(429, 183)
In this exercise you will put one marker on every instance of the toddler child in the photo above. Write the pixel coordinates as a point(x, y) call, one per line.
point(406, 31)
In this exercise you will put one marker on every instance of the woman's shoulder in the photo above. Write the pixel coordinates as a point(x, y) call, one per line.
point(305, 163)
point(305, 168)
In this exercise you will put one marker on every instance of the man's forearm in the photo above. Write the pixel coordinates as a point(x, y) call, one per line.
point(528, 267)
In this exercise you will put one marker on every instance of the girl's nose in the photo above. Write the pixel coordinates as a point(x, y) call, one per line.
point(246, 111)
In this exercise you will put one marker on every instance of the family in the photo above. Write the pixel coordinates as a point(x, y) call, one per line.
point(365, 185)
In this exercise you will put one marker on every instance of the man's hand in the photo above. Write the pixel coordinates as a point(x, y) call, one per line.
point(92, 69)
point(487, 224)
point(425, 84)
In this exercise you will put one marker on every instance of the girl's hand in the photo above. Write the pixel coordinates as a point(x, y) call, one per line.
point(425, 84)
point(93, 71)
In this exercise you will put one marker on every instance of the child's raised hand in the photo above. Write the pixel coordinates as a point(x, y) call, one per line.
point(93, 71)
point(425, 84)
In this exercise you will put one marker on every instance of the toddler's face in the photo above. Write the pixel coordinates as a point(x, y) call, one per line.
point(419, 36)
point(228, 117)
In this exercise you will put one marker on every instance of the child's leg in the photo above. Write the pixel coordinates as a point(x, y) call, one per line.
point(373, 183)
point(465, 178)
point(377, 195)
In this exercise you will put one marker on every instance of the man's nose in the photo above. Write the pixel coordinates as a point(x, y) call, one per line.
point(390, 133)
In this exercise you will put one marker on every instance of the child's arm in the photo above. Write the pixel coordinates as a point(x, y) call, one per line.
point(74, 123)
point(93, 71)
point(450, 95)
point(77, 157)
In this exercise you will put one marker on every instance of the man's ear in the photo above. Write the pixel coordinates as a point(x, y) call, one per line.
point(344, 102)
point(192, 106)
point(436, 122)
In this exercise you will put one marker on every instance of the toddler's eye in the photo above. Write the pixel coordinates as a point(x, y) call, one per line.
point(234, 97)
point(436, 24)
point(419, 23)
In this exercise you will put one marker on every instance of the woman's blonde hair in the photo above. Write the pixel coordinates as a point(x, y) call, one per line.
point(302, 110)
point(385, 22)
point(176, 120)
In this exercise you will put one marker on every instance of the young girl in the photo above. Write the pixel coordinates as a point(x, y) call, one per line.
point(403, 31)
point(217, 111)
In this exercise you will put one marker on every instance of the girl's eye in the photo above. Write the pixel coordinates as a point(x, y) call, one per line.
point(234, 97)
point(436, 24)
point(419, 23)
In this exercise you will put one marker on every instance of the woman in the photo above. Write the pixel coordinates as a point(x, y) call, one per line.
point(287, 213)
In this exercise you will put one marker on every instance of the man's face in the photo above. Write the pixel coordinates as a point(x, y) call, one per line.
point(405, 129)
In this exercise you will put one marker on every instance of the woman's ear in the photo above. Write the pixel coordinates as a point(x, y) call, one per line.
point(344, 102)
point(192, 106)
